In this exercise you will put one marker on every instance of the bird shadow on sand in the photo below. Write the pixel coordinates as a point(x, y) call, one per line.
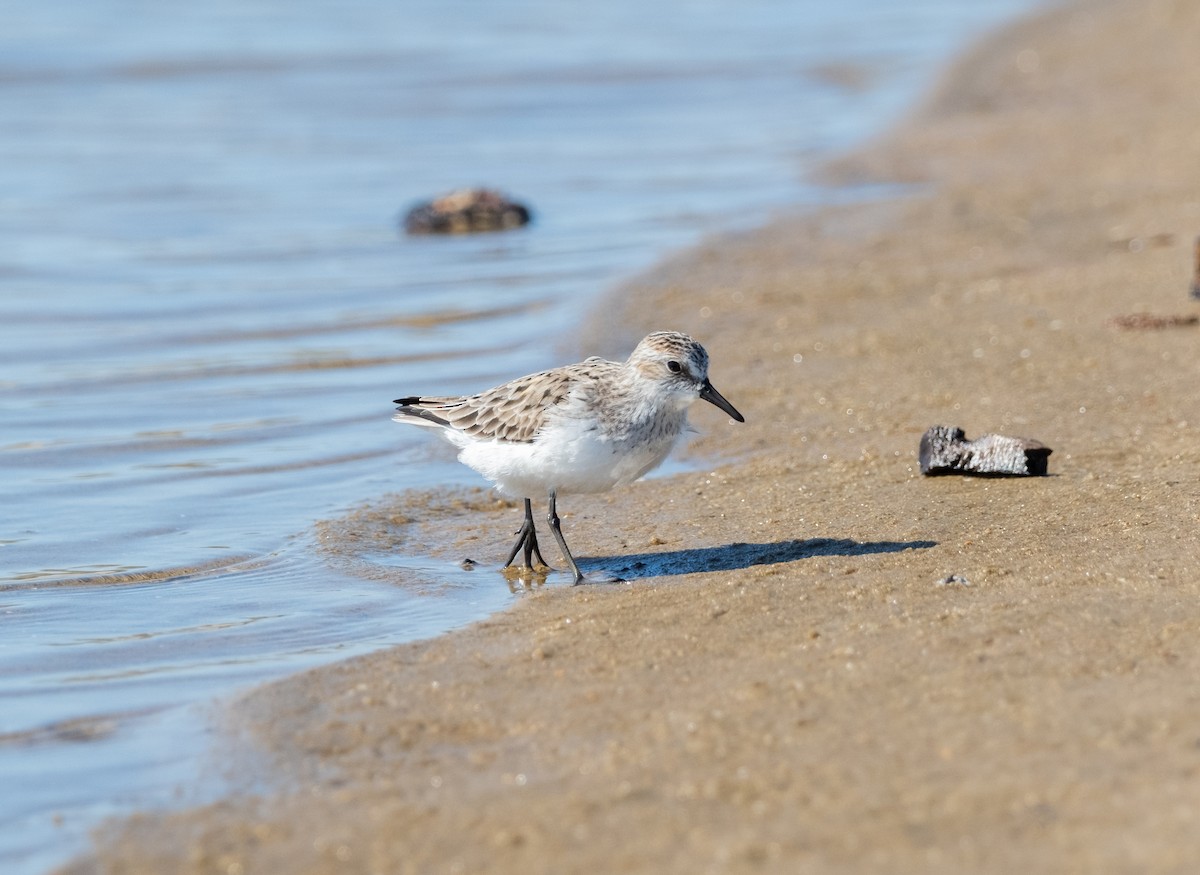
point(731, 557)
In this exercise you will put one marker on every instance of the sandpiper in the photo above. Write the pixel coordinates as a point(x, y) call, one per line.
point(585, 427)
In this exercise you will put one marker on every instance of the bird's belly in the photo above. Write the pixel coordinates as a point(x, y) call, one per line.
point(598, 466)
point(566, 461)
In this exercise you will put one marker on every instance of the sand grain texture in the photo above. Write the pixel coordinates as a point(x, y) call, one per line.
point(825, 662)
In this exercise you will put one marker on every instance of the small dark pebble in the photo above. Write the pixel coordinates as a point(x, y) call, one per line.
point(466, 211)
point(1137, 244)
point(946, 450)
point(468, 564)
point(954, 580)
point(1196, 275)
point(1150, 322)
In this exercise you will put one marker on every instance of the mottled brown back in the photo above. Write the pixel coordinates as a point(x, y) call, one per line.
point(513, 412)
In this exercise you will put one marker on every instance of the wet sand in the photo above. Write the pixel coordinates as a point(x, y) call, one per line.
point(788, 683)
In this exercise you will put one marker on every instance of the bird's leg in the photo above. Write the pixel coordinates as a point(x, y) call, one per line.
point(552, 518)
point(531, 546)
point(527, 540)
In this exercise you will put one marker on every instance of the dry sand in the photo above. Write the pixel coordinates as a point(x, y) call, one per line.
point(786, 685)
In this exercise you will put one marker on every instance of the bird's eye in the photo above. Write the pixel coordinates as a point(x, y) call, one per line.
point(674, 367)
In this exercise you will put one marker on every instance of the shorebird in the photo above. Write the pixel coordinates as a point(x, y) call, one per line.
point(586, 427)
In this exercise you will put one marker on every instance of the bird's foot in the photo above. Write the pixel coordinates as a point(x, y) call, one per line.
point(598, 576)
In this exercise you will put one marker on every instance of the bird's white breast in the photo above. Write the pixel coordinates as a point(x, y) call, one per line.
point(572, 455)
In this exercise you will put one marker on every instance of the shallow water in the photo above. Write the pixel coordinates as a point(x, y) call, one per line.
point(205, 309)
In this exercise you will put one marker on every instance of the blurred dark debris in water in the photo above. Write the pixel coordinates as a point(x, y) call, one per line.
point(1150, 322)
point(422, 523)
point(846, 75)
point(466, 211)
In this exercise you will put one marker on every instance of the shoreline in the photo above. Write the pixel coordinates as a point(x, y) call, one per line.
point(821, 702)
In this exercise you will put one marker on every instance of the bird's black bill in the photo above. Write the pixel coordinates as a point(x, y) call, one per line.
point(712, 396)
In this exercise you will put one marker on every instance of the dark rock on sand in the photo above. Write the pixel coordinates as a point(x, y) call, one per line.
point(466, 211)
point(1150, 322)
point(946, 450)
point(1196, 273)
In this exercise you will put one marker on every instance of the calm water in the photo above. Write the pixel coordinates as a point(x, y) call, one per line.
point(205, 309)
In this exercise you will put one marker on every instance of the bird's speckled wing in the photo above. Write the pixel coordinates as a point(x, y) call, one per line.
point(513, 412)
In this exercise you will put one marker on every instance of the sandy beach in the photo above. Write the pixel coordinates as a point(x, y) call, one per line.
point(823, 661)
